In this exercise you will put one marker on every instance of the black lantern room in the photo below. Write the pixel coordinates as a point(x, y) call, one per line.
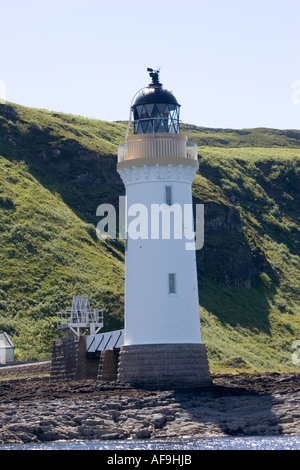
point(155, 109)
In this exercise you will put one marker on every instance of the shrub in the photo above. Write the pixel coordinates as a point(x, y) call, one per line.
point(6, 202)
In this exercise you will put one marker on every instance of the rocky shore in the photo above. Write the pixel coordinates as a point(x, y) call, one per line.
point(43, 410)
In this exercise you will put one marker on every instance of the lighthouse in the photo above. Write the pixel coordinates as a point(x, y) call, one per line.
point(162, 343)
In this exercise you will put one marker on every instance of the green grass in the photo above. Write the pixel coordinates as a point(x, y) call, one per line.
point(47, 255)
point(55, 169)
point(232, 138)
point(256, 326)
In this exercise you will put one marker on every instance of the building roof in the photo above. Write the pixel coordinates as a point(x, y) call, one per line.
point(155, 95)
point(5, 341)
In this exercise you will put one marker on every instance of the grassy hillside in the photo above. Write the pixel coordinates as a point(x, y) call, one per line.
point(55, 171)
point(49, 249)
point(249, 269)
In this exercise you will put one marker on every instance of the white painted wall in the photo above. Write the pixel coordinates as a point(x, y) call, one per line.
point(6, 353)
point(152, 315)
point(2, 352)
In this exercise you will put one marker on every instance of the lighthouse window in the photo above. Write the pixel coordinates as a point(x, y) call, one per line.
point(172, 284)
point(149, 108)
point(144, 126)
point(169, 195)
point(156, 117)
point(144, 114)
point(150, 126)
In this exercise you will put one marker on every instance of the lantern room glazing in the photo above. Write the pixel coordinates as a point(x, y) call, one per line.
point(156, 110)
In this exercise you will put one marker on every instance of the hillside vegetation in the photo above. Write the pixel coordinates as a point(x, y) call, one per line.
point(55, 171)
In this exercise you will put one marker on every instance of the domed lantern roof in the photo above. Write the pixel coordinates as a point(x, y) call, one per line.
point(155, 110)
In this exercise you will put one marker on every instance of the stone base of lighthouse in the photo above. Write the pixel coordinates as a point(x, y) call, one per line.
point(164, 365)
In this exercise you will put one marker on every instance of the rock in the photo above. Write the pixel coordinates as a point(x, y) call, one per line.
point(241, 404)
point(142, 434)
point(86, 431)
point(111, 436)
point(158, 420)
point(27, 437)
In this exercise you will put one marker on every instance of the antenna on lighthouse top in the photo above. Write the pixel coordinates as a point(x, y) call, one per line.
point(154, 74)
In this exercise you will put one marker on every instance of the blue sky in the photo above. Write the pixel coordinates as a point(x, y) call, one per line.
point(229, 63)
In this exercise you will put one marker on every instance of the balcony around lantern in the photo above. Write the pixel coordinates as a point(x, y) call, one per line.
point(141, 149)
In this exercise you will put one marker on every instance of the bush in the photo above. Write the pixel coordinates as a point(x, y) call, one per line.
point(7, 202)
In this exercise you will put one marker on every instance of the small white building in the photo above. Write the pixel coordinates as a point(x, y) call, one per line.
point(7, 349)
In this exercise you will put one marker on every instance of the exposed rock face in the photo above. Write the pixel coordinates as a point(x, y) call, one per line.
point(8, 112)
point(226, 257)
point(236, 405)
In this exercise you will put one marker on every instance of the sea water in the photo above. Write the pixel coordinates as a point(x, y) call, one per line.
point(214, 443)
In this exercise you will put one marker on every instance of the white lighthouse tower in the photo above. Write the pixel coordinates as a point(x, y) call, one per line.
point(162, 322)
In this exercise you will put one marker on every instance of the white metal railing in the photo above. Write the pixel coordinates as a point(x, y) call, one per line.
point(80, 316)
point(157, 147)
point(122, 152)
point(192, 150)
point(68, 317)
